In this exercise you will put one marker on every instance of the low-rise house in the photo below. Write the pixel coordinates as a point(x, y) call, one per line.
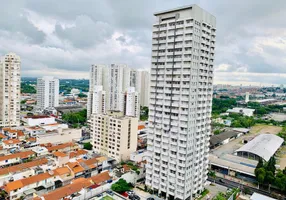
point(20, 171)
point(69, 146)
point(11, 144)
point(76, 168)
point(138, 156)
point(40, 151)
point(16, 158)
point(81, 188)
point(13, 133)
point(78, 154)
point(60, 158)
point(38, 184)
point(34, 130)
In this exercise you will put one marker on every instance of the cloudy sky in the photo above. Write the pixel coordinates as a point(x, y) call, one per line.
point(63, 38)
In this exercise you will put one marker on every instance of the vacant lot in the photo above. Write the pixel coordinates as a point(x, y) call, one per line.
point(262, 128)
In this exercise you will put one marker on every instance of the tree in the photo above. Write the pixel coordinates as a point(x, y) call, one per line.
point(271, 165)
point(259, 164)
point(260, 175)
point(216, 132)
point(81, 95)
point(269, 178)
point(87, 146)
point(121, 186)
point(212, 174)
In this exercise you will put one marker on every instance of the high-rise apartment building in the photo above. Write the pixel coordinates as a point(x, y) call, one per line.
point(99, 76)
point(135, 80)
point(115, 81)
point(144, 88)
point(98, 105)
point(119, 82)
point(131, 103)
point(180, 101)
point(10, 89)
point(114, 134)
point(47, 92)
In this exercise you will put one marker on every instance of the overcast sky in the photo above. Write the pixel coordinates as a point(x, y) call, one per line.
point(64, 37)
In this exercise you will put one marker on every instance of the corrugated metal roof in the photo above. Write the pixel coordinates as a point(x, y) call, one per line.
point(264, 145)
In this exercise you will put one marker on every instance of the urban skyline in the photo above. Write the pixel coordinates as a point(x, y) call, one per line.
point(248, 54)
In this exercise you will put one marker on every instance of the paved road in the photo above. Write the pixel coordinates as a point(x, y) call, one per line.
point(232, 184)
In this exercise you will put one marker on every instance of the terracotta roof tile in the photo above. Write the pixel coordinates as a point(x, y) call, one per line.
point(100, 178)
point(61, 146)
point(62, 170)
point(12, 141)
point(24, 154)
point(76, 186)
point(59, 154)
point(75, 167)
point(21, 167)
point(67, 190)
point(2, 135)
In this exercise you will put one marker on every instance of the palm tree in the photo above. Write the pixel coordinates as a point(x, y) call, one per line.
point(212, 174)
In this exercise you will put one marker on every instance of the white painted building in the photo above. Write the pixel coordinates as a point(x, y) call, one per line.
point(244, 111)
point(246, 97)
point(38, 120)
point(135, 79)
point(98, 86)
point(180, 102)
point(131, 103)
point(108, 88)
point(47, 92)
point(114, 135)
point(75, 92)
point(98, 101)
point(10, 81)
point(145, 88)
point(117, 85)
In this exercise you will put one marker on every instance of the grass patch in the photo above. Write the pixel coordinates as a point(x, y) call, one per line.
point(203, 194)
point(107, 198)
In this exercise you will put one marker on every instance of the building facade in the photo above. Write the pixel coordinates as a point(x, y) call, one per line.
point(131, 103)
point(98, 80)
point(180, 102)
point(10, 90)
point(98, 104)
point(114, 134)
point(145, 88)
point(47, 92)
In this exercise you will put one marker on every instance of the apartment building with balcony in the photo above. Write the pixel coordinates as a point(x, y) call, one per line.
point(97, 100)
point(114, 135)
point(180, 101)
point(47, 92)
point(145, 88)
point(108, 86)
point(10, 80)
point(131, 103)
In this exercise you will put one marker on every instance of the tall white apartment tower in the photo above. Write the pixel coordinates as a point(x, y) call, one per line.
point(47, 92)
point(246, 97)
point(119, 80)
point(145, 88)
point(131, 103)
point(10, 81)
point(135, 80)
point(99, 75)
point(98, 100)
point(180, 101)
